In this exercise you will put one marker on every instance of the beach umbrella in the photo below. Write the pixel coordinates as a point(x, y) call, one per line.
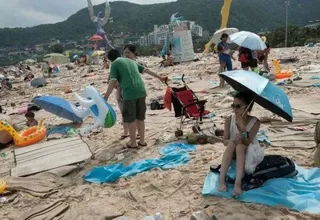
point(98, 53)
point(265, 92)
point(95, 38)
point(217, 35)
point(56, 58)
point(248, 39)
point(57, 106)
point(29, 61)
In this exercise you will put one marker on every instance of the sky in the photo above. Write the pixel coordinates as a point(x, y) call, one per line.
point(27, 13)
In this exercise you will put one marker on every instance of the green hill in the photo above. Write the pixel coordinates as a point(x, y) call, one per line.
point(253, 15)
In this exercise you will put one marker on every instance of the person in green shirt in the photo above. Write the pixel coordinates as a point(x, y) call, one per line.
point(127, 73)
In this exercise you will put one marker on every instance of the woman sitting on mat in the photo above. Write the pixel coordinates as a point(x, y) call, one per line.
point(240, 132)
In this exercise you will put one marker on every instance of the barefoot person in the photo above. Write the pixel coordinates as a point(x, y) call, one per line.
point(127, 73)
point(240, 131)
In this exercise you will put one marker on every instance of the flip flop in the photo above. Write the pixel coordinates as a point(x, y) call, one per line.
point(130, 147)
point(142, 145)
point(124, 137)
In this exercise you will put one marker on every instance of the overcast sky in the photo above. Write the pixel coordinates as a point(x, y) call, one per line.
point(27, 13)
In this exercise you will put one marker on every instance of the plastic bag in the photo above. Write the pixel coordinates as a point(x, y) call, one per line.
point(254, 156)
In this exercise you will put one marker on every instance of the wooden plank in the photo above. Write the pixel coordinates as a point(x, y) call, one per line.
point(47, 165)
point(44, 145)
point(50, 155)
point(72, 151)
point(45, 154)
point(52, 149)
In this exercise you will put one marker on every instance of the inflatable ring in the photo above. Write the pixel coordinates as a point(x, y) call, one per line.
point(28, 136)
point(283, 75)
point(3, 186)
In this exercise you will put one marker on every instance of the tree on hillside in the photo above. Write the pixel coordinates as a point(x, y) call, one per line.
point(56, 48)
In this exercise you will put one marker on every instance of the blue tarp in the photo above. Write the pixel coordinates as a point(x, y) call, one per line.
point(301, 193)
point(174, 155)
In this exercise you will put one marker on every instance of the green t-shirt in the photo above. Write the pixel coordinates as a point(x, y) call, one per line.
point(127, 73)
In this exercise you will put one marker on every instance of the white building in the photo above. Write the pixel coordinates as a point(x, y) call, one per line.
point(160, 33)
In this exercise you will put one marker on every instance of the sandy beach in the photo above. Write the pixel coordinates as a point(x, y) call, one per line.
point(175, 193)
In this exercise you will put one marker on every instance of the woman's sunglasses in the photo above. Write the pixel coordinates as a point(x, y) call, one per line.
point(237, 106)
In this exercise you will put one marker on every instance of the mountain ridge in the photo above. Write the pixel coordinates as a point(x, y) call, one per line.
point(252, 15)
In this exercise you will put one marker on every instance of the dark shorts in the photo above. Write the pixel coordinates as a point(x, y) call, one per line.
point(253, 64)
point(261, 58)
point(225, 58)
point(134, 110)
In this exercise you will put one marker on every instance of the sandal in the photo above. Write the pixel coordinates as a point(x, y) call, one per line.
point(128, 146)
point(142, 145)
point(124, 137)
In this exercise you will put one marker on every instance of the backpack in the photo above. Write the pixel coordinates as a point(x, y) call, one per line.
point(245, 55)
point(272, 166)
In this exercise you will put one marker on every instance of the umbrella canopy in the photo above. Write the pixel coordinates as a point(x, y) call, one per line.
point(29, 61)
point(98, 53)
point(248, 39)
point(217, 35)
point(265, 92)
point(56, 58)
point(95, 38)
point(57, 106)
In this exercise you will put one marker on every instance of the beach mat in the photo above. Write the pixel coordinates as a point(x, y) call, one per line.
point(173, 155)
point(301, 193)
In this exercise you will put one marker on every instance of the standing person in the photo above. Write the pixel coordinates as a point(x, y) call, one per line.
point(127, 73)
point(240, 133)
point(224, 56)
point(130, 52)
point(263, 57)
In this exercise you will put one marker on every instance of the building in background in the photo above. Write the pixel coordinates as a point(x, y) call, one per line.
point(160, 33)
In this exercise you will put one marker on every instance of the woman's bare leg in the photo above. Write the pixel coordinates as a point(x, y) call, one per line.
point(226, 161)
point(240, 162)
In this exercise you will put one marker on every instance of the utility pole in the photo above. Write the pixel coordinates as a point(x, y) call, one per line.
point(287, 3)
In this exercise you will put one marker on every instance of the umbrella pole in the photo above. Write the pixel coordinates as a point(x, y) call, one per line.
point(247, 108)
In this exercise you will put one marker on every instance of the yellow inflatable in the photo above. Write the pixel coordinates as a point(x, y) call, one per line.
point(225, 12)
point(279, 73)
point(3, 186)
point(26, 137)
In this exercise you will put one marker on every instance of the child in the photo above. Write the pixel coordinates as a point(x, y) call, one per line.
point(31, 121)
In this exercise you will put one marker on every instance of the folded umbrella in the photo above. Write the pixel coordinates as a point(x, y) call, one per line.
point(248, 39)
point(265, 92)
point(57, 106)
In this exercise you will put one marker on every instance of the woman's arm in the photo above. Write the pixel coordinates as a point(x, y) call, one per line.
point(252, 133)
point(226, 134)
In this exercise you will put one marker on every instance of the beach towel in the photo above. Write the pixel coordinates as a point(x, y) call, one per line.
point(317, 140)
point(301, 193)
point(174, 155)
